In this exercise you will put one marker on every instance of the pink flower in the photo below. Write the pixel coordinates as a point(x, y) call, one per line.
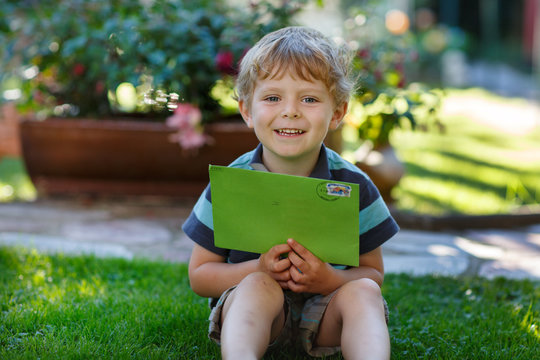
point(100, 87)
point(378, 75)
point(189, 139)
point(187, 119)
point(39, 97)
point(224, 63)
point(78, 69)
point(364, 53)
point(185, 116)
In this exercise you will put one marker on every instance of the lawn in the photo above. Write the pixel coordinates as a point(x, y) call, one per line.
point(14, 181)
point(486, 161)
point(57, 307)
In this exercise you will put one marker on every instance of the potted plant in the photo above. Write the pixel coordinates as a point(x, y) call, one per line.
point(385, 100)
point(120, 68)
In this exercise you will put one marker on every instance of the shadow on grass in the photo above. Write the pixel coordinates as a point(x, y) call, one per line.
point(430, 202)
point(517, 186)
point(495, 141)
point(423, 172)
point(491, 165)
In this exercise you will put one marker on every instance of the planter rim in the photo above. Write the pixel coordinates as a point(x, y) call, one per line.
point(129, 124)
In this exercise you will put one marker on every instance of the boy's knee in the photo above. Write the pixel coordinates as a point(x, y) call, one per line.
point(361, 290)
point(261, 282)
point(260, 289)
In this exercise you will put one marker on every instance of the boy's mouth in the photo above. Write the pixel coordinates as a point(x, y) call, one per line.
point(289, 132)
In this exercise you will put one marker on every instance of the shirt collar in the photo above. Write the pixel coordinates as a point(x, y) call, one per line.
point(320, 171)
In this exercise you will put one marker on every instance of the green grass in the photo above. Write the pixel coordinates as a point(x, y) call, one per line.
point(457, 172)
point(479, 164)
point(57, 307)
point(471, 167)
point(14, 182)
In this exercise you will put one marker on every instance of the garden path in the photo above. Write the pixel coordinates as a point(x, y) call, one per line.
point(151, 228)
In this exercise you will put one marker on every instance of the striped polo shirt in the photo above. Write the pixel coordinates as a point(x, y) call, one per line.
point(375, 222)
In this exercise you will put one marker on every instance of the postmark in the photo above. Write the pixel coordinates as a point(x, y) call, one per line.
point(332, 191)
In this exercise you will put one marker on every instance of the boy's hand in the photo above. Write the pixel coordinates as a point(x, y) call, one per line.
point(308, 273)
point(272, 264)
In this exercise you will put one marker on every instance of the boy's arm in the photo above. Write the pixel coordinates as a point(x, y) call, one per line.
point(310, 274)
point(210, 275)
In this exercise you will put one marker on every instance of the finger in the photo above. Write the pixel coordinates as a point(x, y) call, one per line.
point(284, 285)
point(282, 276)
point(279, 249)
point(295, 287)
point(299, 249)
point(281, 265)
point(298, 263)
point(295, 259)
point(296, 274)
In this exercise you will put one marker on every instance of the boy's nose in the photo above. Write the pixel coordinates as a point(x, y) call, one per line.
point(290, 111)
point(291, 115)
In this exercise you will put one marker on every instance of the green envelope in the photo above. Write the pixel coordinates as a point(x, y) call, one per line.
point(255, 210)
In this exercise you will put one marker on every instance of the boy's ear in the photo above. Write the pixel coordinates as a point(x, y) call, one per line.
point(245, 112)
point(339, 114)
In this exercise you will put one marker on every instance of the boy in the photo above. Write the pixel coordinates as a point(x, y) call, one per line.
point(293, 87)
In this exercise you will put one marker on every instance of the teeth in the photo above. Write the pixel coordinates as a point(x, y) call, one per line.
point(289, 131)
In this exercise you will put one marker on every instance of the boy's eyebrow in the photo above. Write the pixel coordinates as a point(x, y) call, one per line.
point(271, 88)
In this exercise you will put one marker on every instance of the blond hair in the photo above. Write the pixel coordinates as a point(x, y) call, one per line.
point(306, 53)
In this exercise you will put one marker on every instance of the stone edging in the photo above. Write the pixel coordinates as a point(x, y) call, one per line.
point(463, 222)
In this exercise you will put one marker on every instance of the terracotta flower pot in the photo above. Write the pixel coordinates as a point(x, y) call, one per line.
point(9, 131)
point(127, 157)
point(384, 169)
point(123, 157)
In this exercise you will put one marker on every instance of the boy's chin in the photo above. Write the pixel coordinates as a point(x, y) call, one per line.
point(288, 154)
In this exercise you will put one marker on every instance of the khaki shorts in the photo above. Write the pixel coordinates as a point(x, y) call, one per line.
point(303, 316)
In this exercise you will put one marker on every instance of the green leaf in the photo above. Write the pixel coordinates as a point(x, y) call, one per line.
point(73, 45)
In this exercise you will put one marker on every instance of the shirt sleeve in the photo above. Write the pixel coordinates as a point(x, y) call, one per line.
point(376, 224)
point(199, 226)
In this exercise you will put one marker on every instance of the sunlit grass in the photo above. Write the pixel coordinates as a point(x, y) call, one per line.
point(469, 168)
point(57, 307)
point(14, 182)
point(485, 161)
point(425, 195)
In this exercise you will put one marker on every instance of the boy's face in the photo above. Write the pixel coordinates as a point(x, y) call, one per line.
point(291, 118)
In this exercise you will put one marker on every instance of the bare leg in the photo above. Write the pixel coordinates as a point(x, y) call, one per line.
point(355, 320)
point(252, 315)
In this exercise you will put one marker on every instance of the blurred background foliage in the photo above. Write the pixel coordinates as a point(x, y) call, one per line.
point(89, 58)
point(69, 57)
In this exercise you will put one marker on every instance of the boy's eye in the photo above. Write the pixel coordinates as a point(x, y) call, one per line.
point(310, 100)
point(272, 98)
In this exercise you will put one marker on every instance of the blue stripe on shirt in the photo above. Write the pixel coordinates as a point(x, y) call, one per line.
point(203, 211)
point(373, 215)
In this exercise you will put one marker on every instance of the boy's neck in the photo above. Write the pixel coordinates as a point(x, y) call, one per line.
point(297, 166)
